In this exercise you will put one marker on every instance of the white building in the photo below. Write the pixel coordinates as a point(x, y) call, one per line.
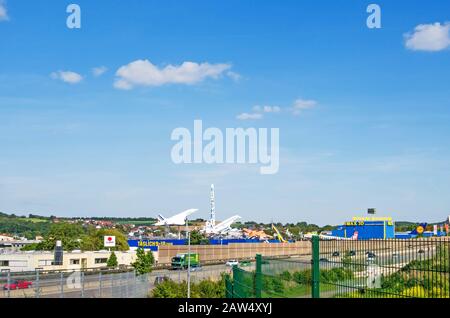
point(75, 260)
point(6, 238)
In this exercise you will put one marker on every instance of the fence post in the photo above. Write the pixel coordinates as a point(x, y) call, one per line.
point(228, 287)
point(235, 280)
point(127, 286)
point(315, 267)
point(37, 290)
point(61, 285)
point(258, 276)
point(82, 284)
point(112, 285)
point(100, 288)
point(135, 284)
point(9, 284)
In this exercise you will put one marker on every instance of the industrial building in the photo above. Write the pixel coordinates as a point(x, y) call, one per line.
point(15, 245)
point(367, 228)
point(75, 260)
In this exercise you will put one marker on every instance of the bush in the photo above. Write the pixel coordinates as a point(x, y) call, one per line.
point(278, 286)
point(303, 277)
point(286, 275)
point(204, 289)
point(416, 291)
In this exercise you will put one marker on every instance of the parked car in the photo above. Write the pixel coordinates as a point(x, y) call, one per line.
point(232, 263)
point(420, 251)
point(336, 254)
point(352, 253)
point(323, 260)
point(18, 284)
point(371, 256)
point(245, 263)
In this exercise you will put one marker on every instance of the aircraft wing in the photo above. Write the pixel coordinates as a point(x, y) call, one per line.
point(179, 219)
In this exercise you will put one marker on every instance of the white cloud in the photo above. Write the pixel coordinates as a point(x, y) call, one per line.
point(144, 73)
point(267, 109)
point(234, 76)
point(302, 104)
point(429, 37)
point(259, 111)
point(99, 71)
point(247, 116)
point(3, 12)
point(67, 77)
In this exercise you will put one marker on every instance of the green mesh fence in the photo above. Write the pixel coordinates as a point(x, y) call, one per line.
point(416, 268)
point(243, 283)
point(351, 269)
point(286, 278)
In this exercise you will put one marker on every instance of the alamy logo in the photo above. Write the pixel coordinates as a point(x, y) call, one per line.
point(74, 19)
point(235, 146)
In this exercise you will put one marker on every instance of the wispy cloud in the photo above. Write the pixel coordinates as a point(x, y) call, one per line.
point(3, 11)
point(258, 112)
point(249, 116)
point(429, 37)
point(302, 104)
point(99, 71)
point(67, 77)
point(234, 76)
point(266, 109)
point(144, 73)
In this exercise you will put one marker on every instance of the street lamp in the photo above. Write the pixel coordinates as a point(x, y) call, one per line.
point(189, 260)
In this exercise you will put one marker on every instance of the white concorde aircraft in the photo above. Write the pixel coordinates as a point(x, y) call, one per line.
point(179, 219)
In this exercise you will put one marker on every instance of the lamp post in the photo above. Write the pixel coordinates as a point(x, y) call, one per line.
point(189, 261)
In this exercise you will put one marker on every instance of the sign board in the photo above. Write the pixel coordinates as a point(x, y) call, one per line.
point(435, 230)
point(420, 229)
point(110, 241)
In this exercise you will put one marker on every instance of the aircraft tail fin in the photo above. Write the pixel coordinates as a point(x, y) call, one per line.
point(419, 229)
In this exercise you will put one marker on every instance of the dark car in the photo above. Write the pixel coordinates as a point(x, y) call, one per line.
point(420, 251)
point(352, 253)
point(336, 254)
point(370, 255)
point(18, 284)
point(324, 260)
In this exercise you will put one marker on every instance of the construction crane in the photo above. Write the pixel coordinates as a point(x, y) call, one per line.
point(280, 238)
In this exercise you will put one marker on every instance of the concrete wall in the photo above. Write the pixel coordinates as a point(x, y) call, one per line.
point(214, 253)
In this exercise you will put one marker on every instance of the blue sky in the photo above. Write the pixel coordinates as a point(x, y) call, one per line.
point(376, 133)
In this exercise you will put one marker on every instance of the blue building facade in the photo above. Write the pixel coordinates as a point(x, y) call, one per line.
point(367, 228)
point(154, 244)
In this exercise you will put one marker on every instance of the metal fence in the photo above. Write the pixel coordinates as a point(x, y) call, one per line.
point(107, 283)
point(416, 268)
point(351, 269)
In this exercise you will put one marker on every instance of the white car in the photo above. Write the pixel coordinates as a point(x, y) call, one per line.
point(232, 263)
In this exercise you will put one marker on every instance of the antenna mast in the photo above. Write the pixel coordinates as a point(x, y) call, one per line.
point(212, 199)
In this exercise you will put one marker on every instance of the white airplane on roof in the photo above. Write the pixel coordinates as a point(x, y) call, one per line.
point(330, 237)
point(221, 228)
point(179, 219)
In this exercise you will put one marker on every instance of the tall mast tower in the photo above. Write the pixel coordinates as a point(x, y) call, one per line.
point(212, 200)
